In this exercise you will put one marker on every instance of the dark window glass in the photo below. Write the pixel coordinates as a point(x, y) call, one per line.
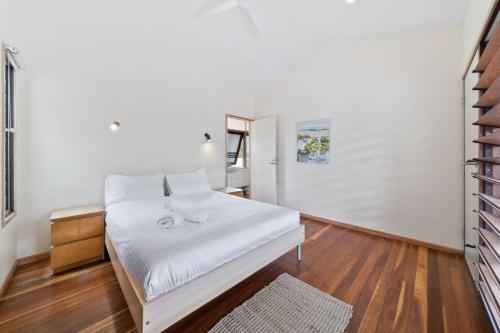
point(233, 146)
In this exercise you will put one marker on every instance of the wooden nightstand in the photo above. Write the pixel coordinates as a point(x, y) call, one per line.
point(238, 192)
point(77, 237)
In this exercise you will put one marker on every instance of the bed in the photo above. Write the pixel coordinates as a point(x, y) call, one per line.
point(165, 274)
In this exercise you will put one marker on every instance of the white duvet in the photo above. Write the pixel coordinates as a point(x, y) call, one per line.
point(163, 259)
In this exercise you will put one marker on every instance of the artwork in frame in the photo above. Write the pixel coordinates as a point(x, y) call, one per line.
point(313, 141)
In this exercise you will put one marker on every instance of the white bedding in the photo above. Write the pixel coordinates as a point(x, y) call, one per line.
point(163, 259)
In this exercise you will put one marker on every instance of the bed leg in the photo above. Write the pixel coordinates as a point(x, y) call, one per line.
point(299, 253)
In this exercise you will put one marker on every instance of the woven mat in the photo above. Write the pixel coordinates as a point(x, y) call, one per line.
point(287, 305)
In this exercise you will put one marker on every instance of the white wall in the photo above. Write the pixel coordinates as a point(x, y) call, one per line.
point(397, 134)
point(8, 233)
point(475, 18)
point(73, 89)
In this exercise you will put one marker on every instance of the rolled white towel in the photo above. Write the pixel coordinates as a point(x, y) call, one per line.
point(190, 211)
point(170, 220)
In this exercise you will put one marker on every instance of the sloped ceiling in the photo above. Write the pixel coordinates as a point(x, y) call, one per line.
point(226, 48)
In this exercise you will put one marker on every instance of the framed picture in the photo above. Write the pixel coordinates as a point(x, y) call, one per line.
point(313, 141)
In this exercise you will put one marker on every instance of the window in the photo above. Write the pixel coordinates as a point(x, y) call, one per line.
point(234, 140)
point(237, 148)
point(9, 139)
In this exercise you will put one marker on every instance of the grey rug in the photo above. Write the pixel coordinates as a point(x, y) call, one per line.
point(287, 305)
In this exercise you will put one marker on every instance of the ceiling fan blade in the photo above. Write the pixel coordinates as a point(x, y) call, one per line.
point(251, 14)
point(220, 8)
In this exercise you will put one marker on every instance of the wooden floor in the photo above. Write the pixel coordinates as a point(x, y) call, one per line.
point(394, 287)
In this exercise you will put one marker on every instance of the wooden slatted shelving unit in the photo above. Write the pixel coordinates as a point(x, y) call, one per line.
point(490, 262)
point(490, 200)
point(490, 139)
point(490, 180)
point(492, 221)
point(490, 97)
point(490, 74)
point(491, 286)
point(489, 304)
point(489, 51)
point(490, 240)
point(488, 192)
point(491, 160)
point(490, 118)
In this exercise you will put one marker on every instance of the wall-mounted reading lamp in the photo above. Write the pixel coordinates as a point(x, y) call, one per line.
point(208, 138)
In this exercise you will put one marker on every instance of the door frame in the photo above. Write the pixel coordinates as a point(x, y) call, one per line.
point(226, 118)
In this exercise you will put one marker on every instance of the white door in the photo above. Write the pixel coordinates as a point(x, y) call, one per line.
point(263, 160)
point(471, 184)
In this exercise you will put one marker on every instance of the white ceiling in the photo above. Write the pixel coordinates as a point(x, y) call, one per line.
point(226, 48)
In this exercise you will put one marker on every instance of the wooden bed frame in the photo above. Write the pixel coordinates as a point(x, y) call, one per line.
point(160, 313)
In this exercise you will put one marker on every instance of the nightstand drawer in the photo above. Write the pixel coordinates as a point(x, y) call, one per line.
point(71, 254)
point(77, 229)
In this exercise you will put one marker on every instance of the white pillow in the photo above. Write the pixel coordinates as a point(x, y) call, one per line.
point(188, 182)
point(119, 188)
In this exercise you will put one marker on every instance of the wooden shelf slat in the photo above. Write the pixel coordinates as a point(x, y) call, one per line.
point(490, 97)
point(491, 48)
point(492, 160)
point(490, 74)
point(491, 139)
point(491, 286)
point(490, 118)
point(489, 304)
point(491, 220)
point(489, 199)
point(490, 262)
point(491, 240)
point(486, 179)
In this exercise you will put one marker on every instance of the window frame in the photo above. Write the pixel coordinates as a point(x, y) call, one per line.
point(5, 62)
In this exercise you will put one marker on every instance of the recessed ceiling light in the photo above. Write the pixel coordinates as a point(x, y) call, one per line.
point(350, 1)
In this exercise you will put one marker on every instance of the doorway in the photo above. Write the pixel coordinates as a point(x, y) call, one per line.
point(238, 155)
point(251, 164)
